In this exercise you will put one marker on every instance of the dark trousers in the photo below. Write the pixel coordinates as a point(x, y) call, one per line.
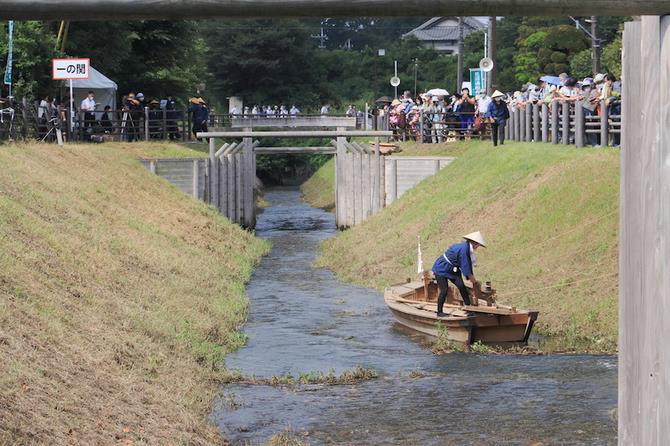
point(443, 285)
point(498, 132)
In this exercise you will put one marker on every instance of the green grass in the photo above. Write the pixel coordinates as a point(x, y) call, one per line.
point(120, 297)
point(161, 149)
point(549, 213)
point(319, 190)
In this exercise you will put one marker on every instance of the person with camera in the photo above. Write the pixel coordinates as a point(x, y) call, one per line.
point(466, 109)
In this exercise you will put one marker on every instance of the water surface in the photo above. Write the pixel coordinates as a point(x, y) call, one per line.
point(303, 319)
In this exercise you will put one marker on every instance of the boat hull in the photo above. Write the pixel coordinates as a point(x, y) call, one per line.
point(488, 325)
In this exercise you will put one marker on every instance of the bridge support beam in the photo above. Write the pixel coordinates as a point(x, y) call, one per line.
point(208, 9)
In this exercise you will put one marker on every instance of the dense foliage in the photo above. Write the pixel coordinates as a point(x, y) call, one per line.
point(279, 61)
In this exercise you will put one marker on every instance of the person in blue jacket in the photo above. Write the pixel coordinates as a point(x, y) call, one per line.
point(457, 261)
point(498, 113)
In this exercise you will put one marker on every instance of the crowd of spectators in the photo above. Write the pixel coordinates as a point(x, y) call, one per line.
point(437, 116)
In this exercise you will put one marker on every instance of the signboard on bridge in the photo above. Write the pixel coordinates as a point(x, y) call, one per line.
point(70, 69)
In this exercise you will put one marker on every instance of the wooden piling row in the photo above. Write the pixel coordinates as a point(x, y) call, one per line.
point(559, 123)
point(359, 182)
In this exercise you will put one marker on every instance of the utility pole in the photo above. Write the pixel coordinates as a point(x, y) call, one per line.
point(491, 77)
point(322, 37)
point(595, 45)
point(459, 75)
point(416, 69)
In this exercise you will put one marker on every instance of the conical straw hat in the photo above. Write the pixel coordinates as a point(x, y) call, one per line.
point(476, 237)
point(497, 93)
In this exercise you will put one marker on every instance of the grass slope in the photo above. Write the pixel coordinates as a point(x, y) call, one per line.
point(549, 213)
point(319, 190)
point(119, 298)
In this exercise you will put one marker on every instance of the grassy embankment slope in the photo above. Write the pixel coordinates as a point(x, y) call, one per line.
point(549, 213)
point(119, 298)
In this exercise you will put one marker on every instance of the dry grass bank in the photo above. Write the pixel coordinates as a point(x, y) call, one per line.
point(119, 299)
point(549, 213)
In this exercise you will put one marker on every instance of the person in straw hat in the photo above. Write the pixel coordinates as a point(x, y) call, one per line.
point(498, 114)
point(455, 262)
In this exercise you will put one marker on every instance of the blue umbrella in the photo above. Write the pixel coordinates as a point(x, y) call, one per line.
point(551, 80)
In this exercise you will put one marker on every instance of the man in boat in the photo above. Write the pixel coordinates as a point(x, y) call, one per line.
point(457, 261)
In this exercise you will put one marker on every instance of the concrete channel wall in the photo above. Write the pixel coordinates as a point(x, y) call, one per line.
point(405, 172)
point(188, 174)
point(401, 173)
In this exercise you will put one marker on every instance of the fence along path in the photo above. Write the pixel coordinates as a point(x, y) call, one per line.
point(563, 123)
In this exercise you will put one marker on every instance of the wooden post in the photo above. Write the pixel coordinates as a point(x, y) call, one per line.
point(420, 138)
point(522, 124)
point(393, 182)
point(214, 174)
point(367, 186)
point(340, 170)
point(146, 123)
point(545, 123)
point(377, 202)
point(510, 124)
point(382, 183)
point(536, 123)
point(249, 180)
point(350, 188)
point(507, 131)
point(239, 188)
point(165, 132)
point(196, 182)
point(152, 166)
point(225, 193)
point(529, 123)
point(565, 122)
point(517, 124)
point(579, 124)
point(604, 131)
point(358, 188)
point(554, 122)
point(644, 245)
point(232, 193)
point(436, 167)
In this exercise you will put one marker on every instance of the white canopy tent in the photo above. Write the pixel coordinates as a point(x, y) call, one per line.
point(103, 87)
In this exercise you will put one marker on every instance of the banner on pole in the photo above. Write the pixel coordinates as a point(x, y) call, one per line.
point(477, 81)
point(10, 54)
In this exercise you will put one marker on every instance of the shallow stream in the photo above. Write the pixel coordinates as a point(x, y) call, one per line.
point(303, 319)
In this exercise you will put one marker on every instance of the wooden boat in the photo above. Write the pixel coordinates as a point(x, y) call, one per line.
point(414, 305)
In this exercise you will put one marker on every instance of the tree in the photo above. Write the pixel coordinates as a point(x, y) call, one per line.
point(547, 51)
point(268, 61)
point(33, 51)
point(611, 57)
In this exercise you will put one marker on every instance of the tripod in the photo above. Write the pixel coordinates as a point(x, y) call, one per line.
point(127, 122)
point(55, 128)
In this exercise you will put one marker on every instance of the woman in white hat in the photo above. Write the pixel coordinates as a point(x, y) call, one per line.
point(498, 113)
point(457, 261)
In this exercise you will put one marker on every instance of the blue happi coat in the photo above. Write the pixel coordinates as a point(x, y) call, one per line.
point(458, 257)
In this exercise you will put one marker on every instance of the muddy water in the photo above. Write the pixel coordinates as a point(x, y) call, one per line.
point(304, 320)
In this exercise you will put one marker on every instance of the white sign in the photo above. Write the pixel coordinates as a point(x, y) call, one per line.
point(395, 81)
point(71, 69)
